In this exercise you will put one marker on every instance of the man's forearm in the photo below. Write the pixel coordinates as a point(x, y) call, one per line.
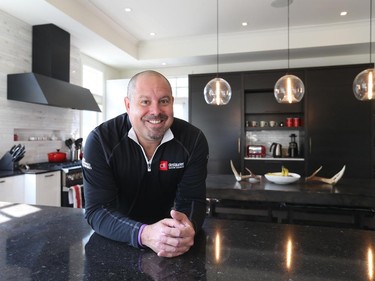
point(113, 225)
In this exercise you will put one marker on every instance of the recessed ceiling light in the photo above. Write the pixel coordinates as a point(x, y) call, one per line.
point(128, 10)
point(152, 33)
point(244, 23)
point(343, 13)
point(163, 63)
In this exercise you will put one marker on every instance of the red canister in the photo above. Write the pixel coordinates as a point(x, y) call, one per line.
point(297, 122)
point(289, 122)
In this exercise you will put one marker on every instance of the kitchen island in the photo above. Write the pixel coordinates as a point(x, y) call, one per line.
point(51, 243)
point(350, 202)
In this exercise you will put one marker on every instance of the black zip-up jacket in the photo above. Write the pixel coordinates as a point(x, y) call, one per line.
point(123, 190)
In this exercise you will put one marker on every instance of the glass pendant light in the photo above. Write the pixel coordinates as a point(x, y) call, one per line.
point(289, 88)
point(217, 90)
point(363, 84)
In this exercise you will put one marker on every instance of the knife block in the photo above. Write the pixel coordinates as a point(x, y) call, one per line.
point(6, 162)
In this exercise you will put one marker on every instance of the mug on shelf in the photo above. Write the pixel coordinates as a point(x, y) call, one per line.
point(254, 124)
point(263, 123)
point(273, 123)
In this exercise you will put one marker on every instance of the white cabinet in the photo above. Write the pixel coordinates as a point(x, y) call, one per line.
point(12, 189)
point(43, 189)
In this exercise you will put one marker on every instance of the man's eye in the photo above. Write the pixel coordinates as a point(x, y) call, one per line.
point(144, 102)
point(164, 101)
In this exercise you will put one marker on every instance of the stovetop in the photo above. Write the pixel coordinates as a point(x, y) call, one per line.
point(55, 166)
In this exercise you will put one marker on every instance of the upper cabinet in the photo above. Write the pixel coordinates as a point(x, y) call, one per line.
point(222, 125)
point(266, 79)
point(339, 127)
point(330, 126)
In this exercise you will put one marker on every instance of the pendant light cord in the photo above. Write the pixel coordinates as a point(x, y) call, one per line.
point(288, 36)
point(217, 38)
point(370, 32)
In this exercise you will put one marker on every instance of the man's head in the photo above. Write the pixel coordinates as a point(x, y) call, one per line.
point(149, 103)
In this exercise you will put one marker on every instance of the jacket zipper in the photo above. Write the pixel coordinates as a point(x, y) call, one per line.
point(149, 164)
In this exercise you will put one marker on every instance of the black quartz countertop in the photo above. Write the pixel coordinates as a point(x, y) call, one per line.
point(39, 168)
point(353, 193)
point(52, 243)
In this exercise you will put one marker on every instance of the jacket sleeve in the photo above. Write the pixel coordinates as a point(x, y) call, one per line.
point(100, 192)
point(191, 192)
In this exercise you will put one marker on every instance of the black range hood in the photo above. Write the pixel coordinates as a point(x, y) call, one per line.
point(48, 83)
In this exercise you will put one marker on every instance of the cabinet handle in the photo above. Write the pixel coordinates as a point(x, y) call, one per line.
point(48, 176)
point(2, 181)
point(239, 145)
point(310, 145)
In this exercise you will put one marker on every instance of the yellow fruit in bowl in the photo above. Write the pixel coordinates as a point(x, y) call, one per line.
point(284, 171)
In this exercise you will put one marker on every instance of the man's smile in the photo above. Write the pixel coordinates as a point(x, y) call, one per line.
point(155, 121)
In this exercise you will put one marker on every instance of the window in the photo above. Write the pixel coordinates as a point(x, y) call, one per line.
point(180, 91)
point(93, 80)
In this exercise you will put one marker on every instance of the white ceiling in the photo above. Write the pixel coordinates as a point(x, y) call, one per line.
point(186, 30)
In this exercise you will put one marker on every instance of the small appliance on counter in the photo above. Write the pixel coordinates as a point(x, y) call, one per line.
point(276, 149)
point(293, 147)
point(256, 151)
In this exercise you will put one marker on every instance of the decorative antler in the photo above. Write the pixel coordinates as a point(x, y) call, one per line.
point(240, 177)
point(332, 180)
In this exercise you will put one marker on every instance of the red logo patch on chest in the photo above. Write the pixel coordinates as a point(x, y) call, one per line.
point(163, 166)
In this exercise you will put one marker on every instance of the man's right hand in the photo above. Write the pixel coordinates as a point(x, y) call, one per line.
point(169, 237)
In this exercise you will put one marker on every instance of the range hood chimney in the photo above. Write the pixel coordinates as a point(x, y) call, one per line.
point(48, 83)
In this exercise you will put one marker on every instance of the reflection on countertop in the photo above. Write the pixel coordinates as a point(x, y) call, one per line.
point(49, 243)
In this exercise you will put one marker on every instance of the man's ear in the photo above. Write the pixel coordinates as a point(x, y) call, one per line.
point(127, 103)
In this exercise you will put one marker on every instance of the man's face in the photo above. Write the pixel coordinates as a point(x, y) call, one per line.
point(150, 108)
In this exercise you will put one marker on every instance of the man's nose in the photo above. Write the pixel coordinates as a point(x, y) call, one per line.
point(155, 108)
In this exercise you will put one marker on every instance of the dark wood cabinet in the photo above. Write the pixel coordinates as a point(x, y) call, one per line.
point(265, 79)
point(337, 129)
point(338, 125)
point(221, 124)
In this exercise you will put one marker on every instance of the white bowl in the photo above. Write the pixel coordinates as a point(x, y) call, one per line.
point(279, 179)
